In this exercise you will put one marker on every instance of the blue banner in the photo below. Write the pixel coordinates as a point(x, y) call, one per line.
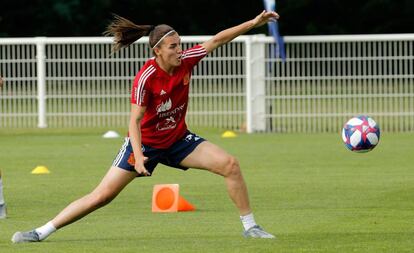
point(270, 5)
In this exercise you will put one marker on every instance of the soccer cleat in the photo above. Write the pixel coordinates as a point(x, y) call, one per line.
point(3, 212)
point(257, 232)
point(30, 236)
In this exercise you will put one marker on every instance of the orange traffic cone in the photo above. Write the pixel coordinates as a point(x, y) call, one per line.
point(166, 198)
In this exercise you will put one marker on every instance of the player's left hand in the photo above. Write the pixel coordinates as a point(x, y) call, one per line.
point(140, 167)
point(265, 17)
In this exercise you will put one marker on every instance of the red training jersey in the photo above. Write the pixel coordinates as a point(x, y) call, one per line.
point(166, 99)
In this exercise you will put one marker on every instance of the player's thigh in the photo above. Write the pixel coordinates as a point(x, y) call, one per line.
point(208, 156)
point(114, 181)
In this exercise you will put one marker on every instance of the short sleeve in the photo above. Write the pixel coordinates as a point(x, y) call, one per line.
point(193, 55)
point(140, 90)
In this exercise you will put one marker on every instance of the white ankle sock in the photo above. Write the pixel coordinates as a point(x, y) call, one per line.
point(248, 221)
point(45, 230)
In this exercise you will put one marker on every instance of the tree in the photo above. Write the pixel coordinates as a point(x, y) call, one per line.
point(199, 17)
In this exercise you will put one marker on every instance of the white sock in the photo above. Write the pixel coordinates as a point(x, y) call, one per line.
point(248, 221)
point(45, 230)
point(1, 193)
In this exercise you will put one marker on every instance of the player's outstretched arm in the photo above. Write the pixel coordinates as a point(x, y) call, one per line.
point(229, 34)
point(137, 113)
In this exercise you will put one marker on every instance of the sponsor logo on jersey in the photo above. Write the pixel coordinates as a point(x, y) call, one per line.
point(169, 123)
point(164, 106)
point(172, 112)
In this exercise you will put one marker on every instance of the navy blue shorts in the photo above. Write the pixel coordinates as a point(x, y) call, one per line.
point(171, 157)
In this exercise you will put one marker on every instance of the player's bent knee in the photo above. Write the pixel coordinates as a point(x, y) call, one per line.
point(232, 167)
point(99, 199)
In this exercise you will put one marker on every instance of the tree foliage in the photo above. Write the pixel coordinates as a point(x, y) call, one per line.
point(21, 18)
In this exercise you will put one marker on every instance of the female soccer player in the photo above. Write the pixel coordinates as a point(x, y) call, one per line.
point(157, 129)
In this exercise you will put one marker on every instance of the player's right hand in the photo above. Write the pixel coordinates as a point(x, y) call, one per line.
point(140, 168)
point(265, 17)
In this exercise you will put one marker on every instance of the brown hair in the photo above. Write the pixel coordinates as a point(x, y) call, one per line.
point(126, 32)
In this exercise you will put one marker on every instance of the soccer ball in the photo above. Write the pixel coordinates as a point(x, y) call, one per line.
point(361, 134)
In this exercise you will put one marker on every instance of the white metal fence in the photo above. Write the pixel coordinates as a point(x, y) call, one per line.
point(327, 79)
point(74, 82)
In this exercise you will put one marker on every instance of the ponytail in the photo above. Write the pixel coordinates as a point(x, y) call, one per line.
point(125, 32)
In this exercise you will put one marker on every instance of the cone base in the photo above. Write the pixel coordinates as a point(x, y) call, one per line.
point(184, 205)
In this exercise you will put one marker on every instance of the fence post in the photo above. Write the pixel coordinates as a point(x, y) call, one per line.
point(255, 85)
point(41, 81)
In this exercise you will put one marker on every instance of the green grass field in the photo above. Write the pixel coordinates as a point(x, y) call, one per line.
point(310, 191)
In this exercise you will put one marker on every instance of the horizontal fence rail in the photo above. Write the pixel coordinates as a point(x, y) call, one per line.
point(76, 82)
point(328, 79)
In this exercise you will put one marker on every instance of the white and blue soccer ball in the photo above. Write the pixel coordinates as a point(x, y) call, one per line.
point(361, 134)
